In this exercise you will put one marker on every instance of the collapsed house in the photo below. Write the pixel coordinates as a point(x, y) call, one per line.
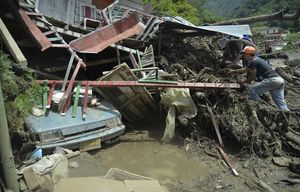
point(87, 44)
point(98, 35)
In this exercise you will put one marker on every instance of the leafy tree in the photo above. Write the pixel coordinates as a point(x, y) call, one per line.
point(203, 14)
point(195, 14)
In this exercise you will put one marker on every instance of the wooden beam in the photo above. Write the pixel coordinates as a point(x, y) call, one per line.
point(12, 45)
point(88, 64)
point(215, 124)
point(85, 101)
point(75, 104)
point(67, 93)
point(35, 32)
point(50, 96)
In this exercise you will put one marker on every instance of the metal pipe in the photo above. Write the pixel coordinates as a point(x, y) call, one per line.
point(8, 164)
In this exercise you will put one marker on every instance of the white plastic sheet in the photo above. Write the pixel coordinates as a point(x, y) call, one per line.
point(180, 100)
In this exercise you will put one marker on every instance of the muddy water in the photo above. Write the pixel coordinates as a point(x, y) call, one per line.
point(140, 152)
point(164, 162)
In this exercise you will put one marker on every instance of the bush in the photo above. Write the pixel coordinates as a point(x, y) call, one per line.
point(292, 41)
point(20, 93)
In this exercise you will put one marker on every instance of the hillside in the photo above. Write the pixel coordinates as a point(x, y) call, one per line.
point(223, 8)
point(245, 8)
point(258, 7)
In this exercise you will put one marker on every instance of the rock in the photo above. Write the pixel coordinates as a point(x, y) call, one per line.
point(281, 161)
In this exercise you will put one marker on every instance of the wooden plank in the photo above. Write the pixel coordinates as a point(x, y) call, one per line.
point(85, 101)
point(105, 17)
point(89, 64)
point(118, 56)
point(143, 186)
point(213, 119)
point(45, 96)
point(12, 45)
point(33, 13)
point(75, 105)
point(35, 32)
point(227, 160)
point(69, 89)
point(60, 45)
point(121, 175)
point(49, 32)
point(89, 184)
point(133, 60)
point(68, 71)
point(129, 50)
point(50, 96)
point(143, 105)
point(147, 24)
point(55, 39)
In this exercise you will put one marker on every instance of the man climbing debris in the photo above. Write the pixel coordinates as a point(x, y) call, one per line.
point(233, 48)
point(268, 79)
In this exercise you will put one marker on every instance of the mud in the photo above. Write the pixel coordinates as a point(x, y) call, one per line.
point(252, 132)
point(187, 165)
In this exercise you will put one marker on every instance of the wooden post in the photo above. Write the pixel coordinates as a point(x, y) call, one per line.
point(118, 56)
point(75, 105)
point(7, 158)
point(85, 101)
point(50, 96)
point(12, 45)
point(214, 121)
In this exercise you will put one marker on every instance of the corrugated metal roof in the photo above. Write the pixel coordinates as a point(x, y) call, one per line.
point(180, 23)
point(234, 30)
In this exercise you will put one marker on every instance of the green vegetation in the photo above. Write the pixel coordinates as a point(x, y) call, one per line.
point(247, 8)
point(292, 41)
point(259, 7)
point(20, 93)
point(222, 8)
point(193, 12)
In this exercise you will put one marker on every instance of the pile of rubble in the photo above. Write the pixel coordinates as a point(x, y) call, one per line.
point(258, 127)
point(93, 37)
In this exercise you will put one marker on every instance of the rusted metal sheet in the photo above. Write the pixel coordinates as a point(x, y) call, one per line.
point(101, 4)
point(35, 32)
point(100, 39)
point(152, 83)
point(130, 97)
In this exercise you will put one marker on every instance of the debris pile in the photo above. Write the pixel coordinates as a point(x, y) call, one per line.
point(258, 127)
point(127, 55)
